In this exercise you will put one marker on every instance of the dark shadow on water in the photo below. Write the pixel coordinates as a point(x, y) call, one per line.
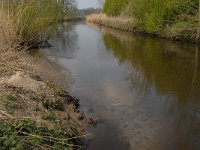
point(108, 138)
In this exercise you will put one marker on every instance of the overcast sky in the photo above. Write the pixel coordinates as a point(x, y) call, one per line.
point(87, 3)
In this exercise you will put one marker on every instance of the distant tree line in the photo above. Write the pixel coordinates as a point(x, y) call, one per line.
point(88, 11)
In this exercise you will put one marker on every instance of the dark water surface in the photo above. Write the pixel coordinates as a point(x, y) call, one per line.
point(144, 91)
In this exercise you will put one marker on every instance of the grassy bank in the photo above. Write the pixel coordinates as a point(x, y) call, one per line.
point(36, 111)
point(174, 19)
point(180, 31)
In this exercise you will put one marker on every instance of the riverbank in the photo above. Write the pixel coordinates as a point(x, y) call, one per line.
point(31, 94)
point(181, 32)
point(36, 110)
point(122, 23)
point(73, 19)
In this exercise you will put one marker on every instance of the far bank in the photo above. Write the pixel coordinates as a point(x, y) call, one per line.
point(177, 32)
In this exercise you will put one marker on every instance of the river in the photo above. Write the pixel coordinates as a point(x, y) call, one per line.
point(144, 91)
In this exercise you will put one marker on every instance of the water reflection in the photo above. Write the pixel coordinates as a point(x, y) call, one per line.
point(147, 90)
point(64, 43)
point(168, 75)
point(171, 68)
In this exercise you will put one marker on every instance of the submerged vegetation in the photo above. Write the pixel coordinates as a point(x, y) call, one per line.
point(176, 19)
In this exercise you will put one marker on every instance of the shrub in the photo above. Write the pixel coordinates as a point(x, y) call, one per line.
point(152, 16)
point(114, 7)
point(31, 19)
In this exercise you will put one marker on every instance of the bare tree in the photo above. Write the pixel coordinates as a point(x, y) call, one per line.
point(68, 5)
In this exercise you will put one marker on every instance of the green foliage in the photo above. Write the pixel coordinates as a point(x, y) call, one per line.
point(114, 7)
point(10, 102)
point(182, 30)
point(25, 134)
point(49, 115)
point(36, 19)
point(152, 16)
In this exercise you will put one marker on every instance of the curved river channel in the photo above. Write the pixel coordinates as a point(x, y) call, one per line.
point(143, 91)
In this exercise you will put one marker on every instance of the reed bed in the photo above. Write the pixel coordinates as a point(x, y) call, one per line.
point(119, 22)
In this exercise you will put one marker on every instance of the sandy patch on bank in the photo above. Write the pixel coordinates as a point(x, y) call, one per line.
point(26, 82)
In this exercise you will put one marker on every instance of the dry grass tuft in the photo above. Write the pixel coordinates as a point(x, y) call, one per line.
point(8, 36)
point(122, 23)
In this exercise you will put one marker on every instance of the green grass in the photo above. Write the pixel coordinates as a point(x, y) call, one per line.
point(26, 134)
point(10, 103)
point(49, 115)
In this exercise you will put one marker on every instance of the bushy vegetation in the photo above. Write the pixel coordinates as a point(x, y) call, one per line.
point(25, 134)
point(154, 16)
point(114, 7)
point(32, 20)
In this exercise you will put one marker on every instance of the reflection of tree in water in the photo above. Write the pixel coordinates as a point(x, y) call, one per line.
point(170, 67)
point(65, 42)
point(138, 82)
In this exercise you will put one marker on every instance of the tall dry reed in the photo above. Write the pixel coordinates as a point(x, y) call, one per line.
point(9, 38)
